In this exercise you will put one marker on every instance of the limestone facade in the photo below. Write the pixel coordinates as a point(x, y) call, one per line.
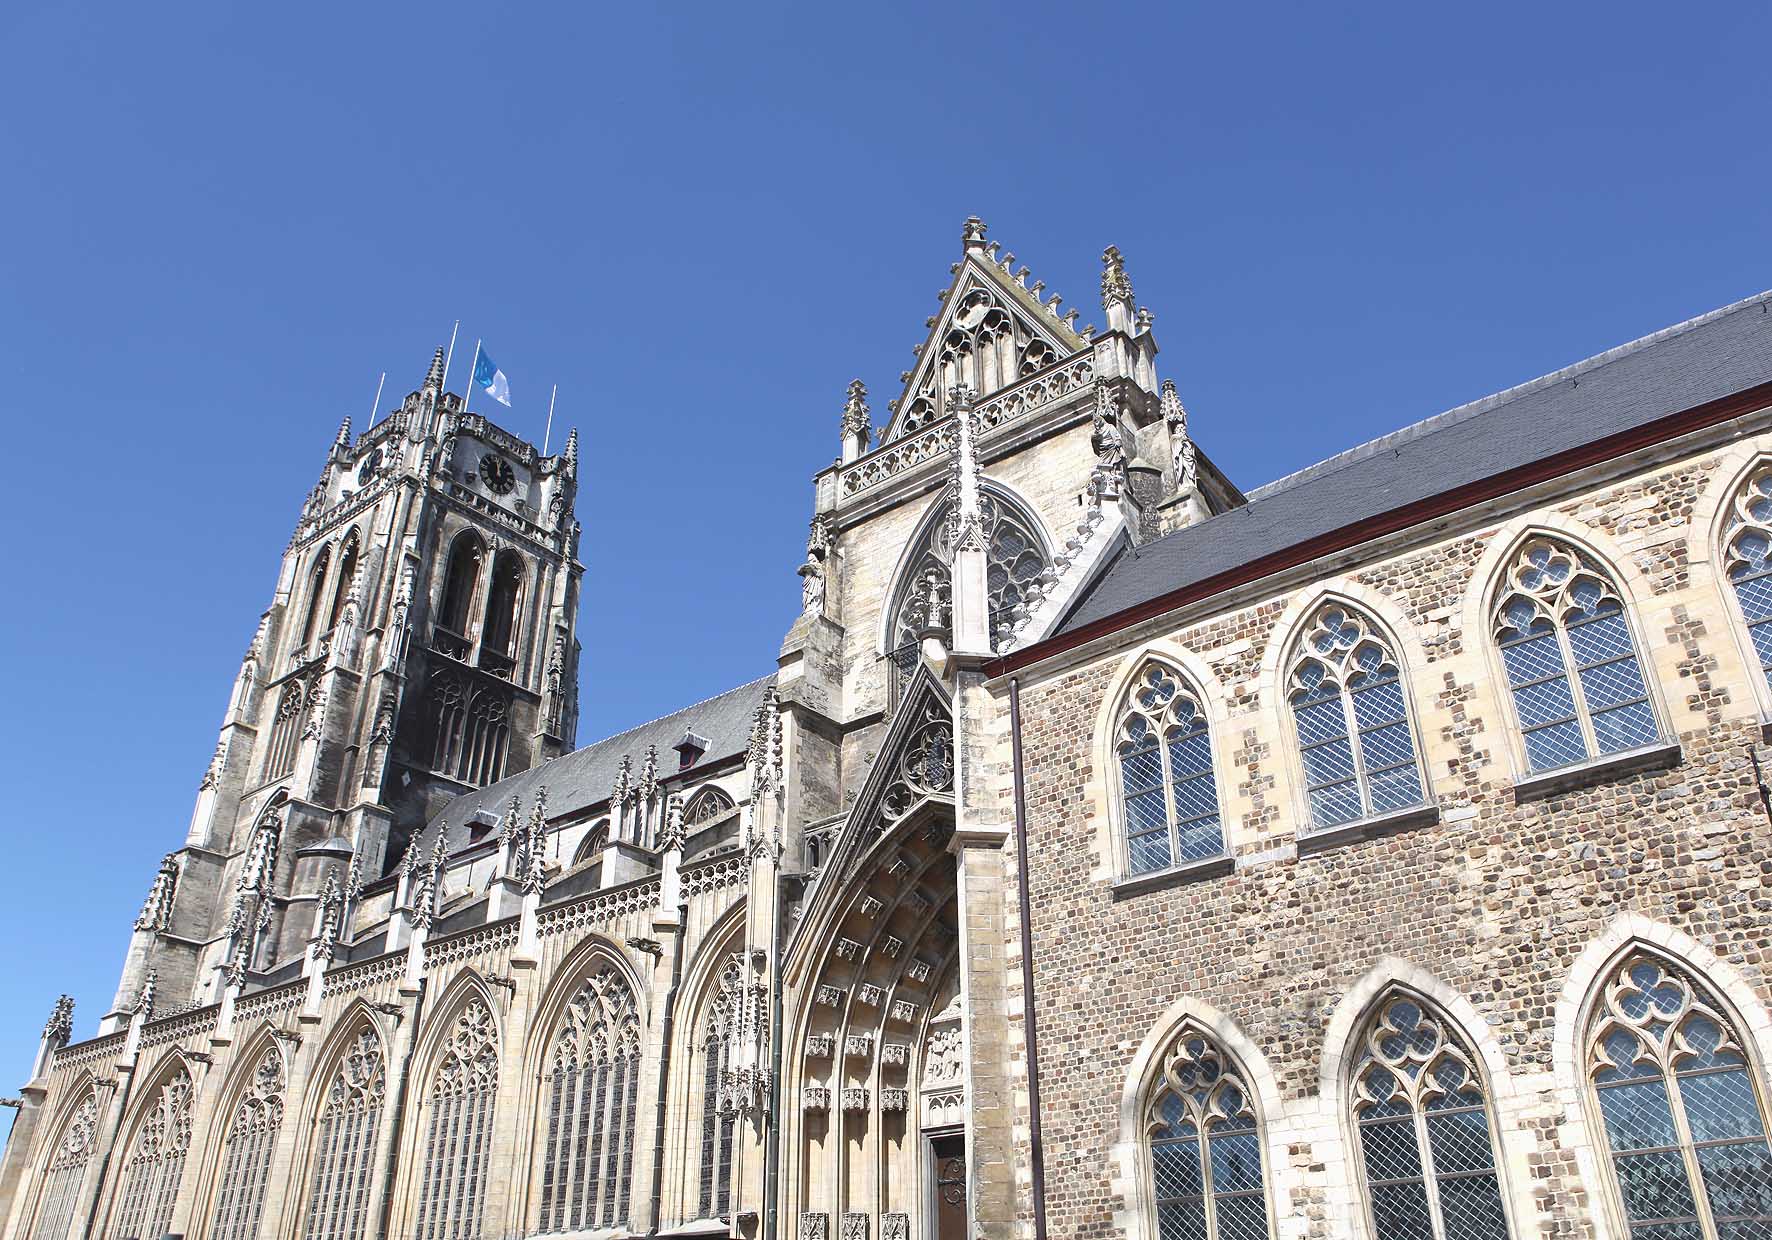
point(1029, 878)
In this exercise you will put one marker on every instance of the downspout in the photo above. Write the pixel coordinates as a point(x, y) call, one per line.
point(664, 1075)
point(1038, 1169)
point(399, 1116)
point(772, 1141)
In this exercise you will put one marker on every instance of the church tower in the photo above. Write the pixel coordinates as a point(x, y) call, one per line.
point(420, 644)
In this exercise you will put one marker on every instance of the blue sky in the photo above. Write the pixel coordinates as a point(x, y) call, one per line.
point(222, 223)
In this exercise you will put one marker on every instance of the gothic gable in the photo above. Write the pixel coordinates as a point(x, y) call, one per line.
point(992, 330)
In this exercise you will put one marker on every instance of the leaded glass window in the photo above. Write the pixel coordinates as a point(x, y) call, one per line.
point(1352, 715)
point(458, 1129)
point(1748, 558)
point(344, 1142)
point(156, 1163)
point(1422, 1119)
point(590, 1090)
point(1015, 557)
point(1685, 1125)
point(65, 1173)
point(246, 1158)
point(1561, 614)
point(1168, 793)
point(1206, 1169)
point(705, 806)
point(718, 1120)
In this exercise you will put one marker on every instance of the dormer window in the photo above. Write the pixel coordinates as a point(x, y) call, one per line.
point(690, 749)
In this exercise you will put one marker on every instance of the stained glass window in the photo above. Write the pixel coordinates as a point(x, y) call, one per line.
point(718, 1115)
point(1352, 715)
point(1571, 663)
point(590, 1090)
point(1683, 1119)
point(458, 1129)
point(1168, 793)
point(1422, 1119)
point(344, 1142)
point(246, 1158)
point(1748, 559)
point(65, 1173)
point(156, 1162)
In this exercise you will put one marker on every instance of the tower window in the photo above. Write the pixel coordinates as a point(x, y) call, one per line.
point(341, 586)
point(497, 644)
point(459, 583)
point(316, 588)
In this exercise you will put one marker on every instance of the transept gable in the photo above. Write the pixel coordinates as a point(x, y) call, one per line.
point(993, 329)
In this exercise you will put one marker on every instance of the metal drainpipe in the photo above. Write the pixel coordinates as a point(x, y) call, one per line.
point(664, 1073)
point(1038, 1168)
point(772, 1142)
point(399, 1116)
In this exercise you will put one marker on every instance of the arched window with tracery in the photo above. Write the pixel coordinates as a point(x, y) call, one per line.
point(1168, 792)
point(1421, 1114)
point(1747, 554)
point(471, 729)
point(1560, 613)
point(499, 632)
point(65, 1173)
point(1352, 715)
point(714, 1042)
point(341, 586)
point(316, 595)
point(1204, 1143)
point(704, 807)
point(458, 1129)
point(156, 1162)
point(591, 1088)
point(246, 1158)
point(344, 1142)
point(460, 581)
point(286, 731)
point(1015, 557)
point(1683, 1115)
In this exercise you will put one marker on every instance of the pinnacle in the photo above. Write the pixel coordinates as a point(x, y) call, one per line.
point(572, 445)
point(344, 434)
point(972, 234)
point(434, 378)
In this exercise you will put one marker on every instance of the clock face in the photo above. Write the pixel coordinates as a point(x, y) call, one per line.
point(370, 464)
point(496, 472)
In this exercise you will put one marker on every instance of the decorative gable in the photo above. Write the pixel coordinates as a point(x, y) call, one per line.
point(992, 330)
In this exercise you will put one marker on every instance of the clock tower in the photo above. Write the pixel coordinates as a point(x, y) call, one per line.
point(420, 644)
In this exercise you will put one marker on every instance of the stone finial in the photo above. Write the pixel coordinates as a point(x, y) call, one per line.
point(434, 376)
point(763, 753)
point(535, 844)
point(61, 1022)
point(343, 439)
point(972, 234)
point(512, 827)
point(671, 837)
point(856, 420)
point(1116, 286)
point(571, 453)
point(212, 776)
point(622, 790)
point(326, 936)
point(648, 787)
point(157, 909)
point(144, 1000)
point(1174, 414)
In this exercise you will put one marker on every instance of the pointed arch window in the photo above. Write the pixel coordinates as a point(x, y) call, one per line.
point(1748, 557)
point(286, 731)
point(1352, 715)
point(1421, 1114)
point(65, 1174)
point(156, 1162)
point(251, 1143)
point(1684, 1120)
point(1560, 613)
point(499, 631)
point(1015, 559)
point(459, 583)
point(718, 1121)
point(341, 586)
point(458, 1130)
point(1168, 791)
point(1204, 1146)
point(316, 595)
point(344, 1143)
point(591, 1089)
point(706, 806)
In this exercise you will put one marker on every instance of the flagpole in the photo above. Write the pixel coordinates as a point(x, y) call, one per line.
point(375, 405)
point(467, 389)
point(447, 359)
point(549, 432)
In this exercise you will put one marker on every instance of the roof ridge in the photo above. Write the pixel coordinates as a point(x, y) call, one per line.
point(638, 727)
point(1473, 408)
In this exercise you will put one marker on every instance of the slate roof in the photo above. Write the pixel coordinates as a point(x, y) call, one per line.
point(583, 777)
point(1712, 356)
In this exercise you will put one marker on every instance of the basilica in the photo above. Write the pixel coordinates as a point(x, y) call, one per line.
point(1378, 853)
